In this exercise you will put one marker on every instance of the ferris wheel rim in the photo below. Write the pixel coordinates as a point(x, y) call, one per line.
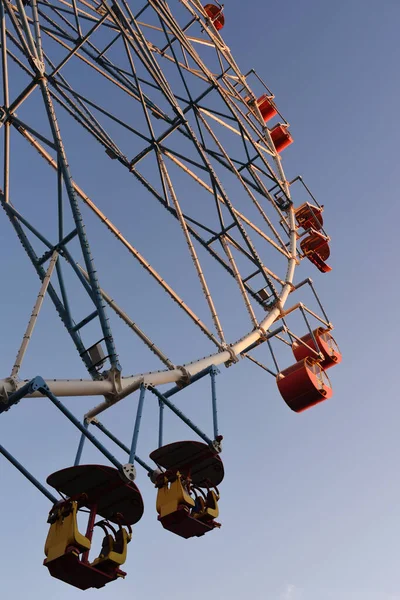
point(235, 349)
point(130, 384)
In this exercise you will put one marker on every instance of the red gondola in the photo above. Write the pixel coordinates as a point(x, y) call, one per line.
point(326, 344)
point(304, 385)
point(316, 248)
point(308, 216)
point(215, 15)
point(281, 137)
point(267, 108)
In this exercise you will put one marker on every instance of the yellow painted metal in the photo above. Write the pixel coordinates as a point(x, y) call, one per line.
point(171, 496)
point(64, 532)
point(115, 550)
point(209, 507)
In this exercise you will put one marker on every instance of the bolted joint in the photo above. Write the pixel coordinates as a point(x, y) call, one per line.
point(128, 472)
point(185, 379)
point(8, 388)
point(217, 444)
point(233, 358)
point(114, 375)
point(39, 66)
point(155, 475)
point(38, 384)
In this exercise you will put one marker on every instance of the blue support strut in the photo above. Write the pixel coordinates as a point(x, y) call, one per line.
point(213, 374)
point(160, 423)
point(135, 437)
point(27, 389)
point(180, 414)
point(28, 475)
point(114, 439)
point(174, 390)
point(44, 389)
point(81, 444)
point(77, 216)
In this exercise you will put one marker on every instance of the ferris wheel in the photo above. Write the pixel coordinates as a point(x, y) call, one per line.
point(144, 104)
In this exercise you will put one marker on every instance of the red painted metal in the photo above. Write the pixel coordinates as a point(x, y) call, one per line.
point(199, 465)
point(307, 215)
point(71, 570)
point(192, 459)
point(102, 490)
point(304, 385)
point(216, 15)
point(267, 108)
point(89, 532)
point(183, 524)
point(316, 248)
point(103, 486)
point(281, 136)
point(326, 344)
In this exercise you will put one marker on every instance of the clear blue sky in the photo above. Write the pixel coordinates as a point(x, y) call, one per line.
point(310, 502)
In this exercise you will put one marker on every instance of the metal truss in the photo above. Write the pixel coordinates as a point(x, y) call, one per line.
point(158, 89)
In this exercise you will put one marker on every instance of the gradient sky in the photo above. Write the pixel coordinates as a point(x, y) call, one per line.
point(309, 506)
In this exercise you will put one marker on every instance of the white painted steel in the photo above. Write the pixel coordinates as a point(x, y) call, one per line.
point(114, 389)
point(35, 313)
point(82, 387)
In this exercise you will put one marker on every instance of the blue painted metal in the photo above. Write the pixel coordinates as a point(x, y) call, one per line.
point(174, 38)
point(310, 283)
point(97, 297)
point(117, 74)
point(10, 209)
point(39, 136)
point(259, 364)
point(171, 392)
point(79, 110)
point(79, 274)
point(160, 423)
point(29, 388)
point(79, 43)
point(60, 204)
point(273, 356)
point(162, 200)
point(218, 188)
point(135, 437)
point(85, 321)
point(77, 216)
point(24, 94)
point(81, 444)
point(174, 390)
point(180, 414)
point(220, 234)
point(269, 335)
point(170, 44)
point(48, 254)
point(193, 231)
point(65, 317)
point(113, 438)
point(28, 475)
point(44, 389)
point(89, 102)
point(94, 284)
point(214, 371)
point(64, 295)
point(176, 123)
point(303, 312)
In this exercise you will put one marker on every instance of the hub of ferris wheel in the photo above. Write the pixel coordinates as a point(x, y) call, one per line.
point(158, 90)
